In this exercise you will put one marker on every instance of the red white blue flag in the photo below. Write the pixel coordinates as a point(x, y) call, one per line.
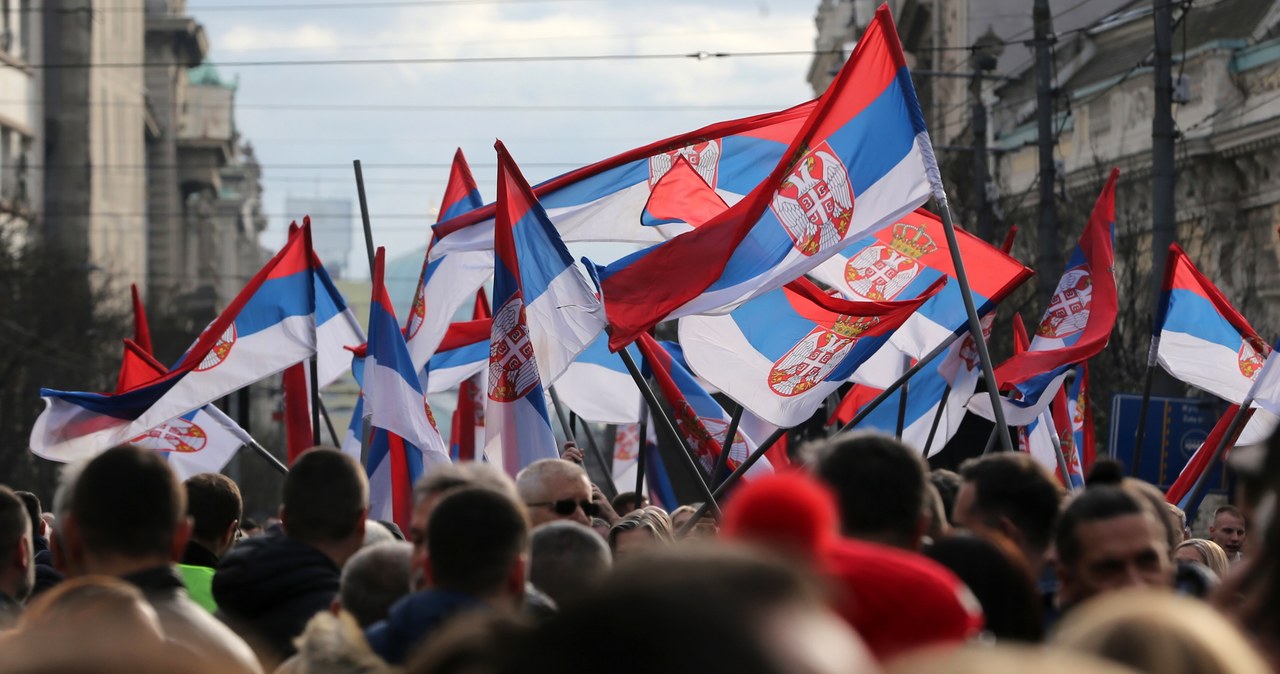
point(462, 354)
point(598, 387)
point(546, 313)
point(865, 143)
point(1075, 326)
point(404, 442)
point(447, 281)
point(1199, 338)
point(781, 354)
point(276, 321)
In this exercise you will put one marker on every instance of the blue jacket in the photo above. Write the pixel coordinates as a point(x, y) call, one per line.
point(413, 619)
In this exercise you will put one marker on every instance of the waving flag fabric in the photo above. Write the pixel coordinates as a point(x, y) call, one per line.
point(466, 433)
point(1075, 326)
point(1179, 492)
point(141, 328)
point(446, 280)
point(1199, 338)
point(404, 442)
point(1081, 413)
point(865, 142)
point(697, 416)
point(462, 354)
point(781, 354)
point(598, 387)
point(901, 262)
point(353, 439)
point(271, 325)
point(563, 311)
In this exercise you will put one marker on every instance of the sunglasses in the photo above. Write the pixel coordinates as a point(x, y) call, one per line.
point(566, 507)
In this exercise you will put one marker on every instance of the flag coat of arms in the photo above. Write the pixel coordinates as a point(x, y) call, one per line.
point(861, 162)
point(545, 314)
point(273, 323)
point(697, 416)
point(446, 281)
point(781, 354)
point(900, 263)
point(404, 442)
point(1200, 339)
point(1075, 326)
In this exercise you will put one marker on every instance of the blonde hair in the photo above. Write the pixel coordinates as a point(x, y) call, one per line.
point(1158, 632)
point(1001, 659)
point(1211, 554)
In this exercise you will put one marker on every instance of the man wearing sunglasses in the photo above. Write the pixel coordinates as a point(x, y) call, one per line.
point(555, 489)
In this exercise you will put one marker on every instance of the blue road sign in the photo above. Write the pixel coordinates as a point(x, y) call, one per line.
point(1175, 429)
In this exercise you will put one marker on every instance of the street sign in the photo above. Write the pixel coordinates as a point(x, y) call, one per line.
point(1175, 428)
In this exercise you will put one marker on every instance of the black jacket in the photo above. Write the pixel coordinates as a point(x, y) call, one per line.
point(269, 586)
point(46, 575)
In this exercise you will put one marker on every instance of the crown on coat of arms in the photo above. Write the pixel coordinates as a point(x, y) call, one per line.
point(852, 326)
point(912, 241)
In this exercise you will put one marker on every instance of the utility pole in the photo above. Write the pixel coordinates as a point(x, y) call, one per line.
point(1163, 220)
point(1048, 261)
point(984, 61)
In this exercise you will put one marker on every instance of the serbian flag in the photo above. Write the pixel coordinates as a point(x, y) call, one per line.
point(901, 262)
point(200, 441)
point(141, 328)
point(463, 353)
point(865, 142)
point(404, 442)
point(598, 387)
point(1199, 338)
point(273, 323)
point(1075, 326)
point(1179, 493)
point(1081, 413)
point(446, 281)
point(353, 439)
point(782, 353)
point(697, 416)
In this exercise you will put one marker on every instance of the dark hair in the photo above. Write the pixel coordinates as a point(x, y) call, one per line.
point(374, 579)
point(13, 522)
point(566, 559)
point(474, 535)
point(1096, 503)
point(999, 579)
point(878, 482)
point(127, 501)
point(32, 502)
point(325, 496)
point(947, 482)
point(1228, 509)
point(625, 502)
point(1015, 486)
point(709, 603)
point(213, 501)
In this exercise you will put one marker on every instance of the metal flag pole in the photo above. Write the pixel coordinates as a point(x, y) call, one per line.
point(271, 459)
point(686, 454)
point(564, 420)
point(364, 212)
point(730, 434)
point(315, 402)
point(902, 403)
point(937, 420)
point(328, 422)
point(732, 479)
point(643, 434)
point(893, 388)
point(1146, 401)
point(1046, 418)
point(975, 324)
point(1233, 431)
point(605, 466)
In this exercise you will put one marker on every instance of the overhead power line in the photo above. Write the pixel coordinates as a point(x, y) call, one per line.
point(285, 7)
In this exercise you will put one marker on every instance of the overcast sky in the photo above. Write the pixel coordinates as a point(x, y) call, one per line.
point(307, 152)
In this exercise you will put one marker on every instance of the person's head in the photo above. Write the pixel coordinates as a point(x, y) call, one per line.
point(326, 500)
point(1012, 496)
point(947, 482)
point(879, 485)
point(433, 486)
point(1002, 659)
point(249, 527)
point(996, 573)
point(127, 513)
point(722, 609)
point(640, 530)
point(939, 526)
point(1177, 515)
point(567, 560)
point(32, 503)
point(626, 501)
point(477, 542)
point(373, 579)
point(1108, 540)
point(1205, 553)
point(1228, 529)
point(213, 501)
point(17, 556)
point(555, 489)
point(1158, 633)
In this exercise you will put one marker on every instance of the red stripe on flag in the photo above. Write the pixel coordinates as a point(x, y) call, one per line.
point(401, 490)
point(299, 434)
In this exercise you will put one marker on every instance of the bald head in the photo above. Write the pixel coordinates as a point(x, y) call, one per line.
point(555, 489)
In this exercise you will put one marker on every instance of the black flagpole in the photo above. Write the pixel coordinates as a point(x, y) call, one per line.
point(643, 451)
point(1146, 401)
point(937, 420)
point(733, 479)
point(893, 388)
point(902, 406)
point(730, 434)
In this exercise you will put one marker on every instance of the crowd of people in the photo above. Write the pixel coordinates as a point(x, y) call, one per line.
point(863, 560)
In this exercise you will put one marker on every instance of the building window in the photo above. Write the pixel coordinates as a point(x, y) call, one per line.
point(14, 148)
point(13, 24)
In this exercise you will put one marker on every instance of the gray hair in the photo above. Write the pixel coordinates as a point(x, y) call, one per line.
point(531, 482)
point(449, 476)
point(566, 558)
point(373, 579)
